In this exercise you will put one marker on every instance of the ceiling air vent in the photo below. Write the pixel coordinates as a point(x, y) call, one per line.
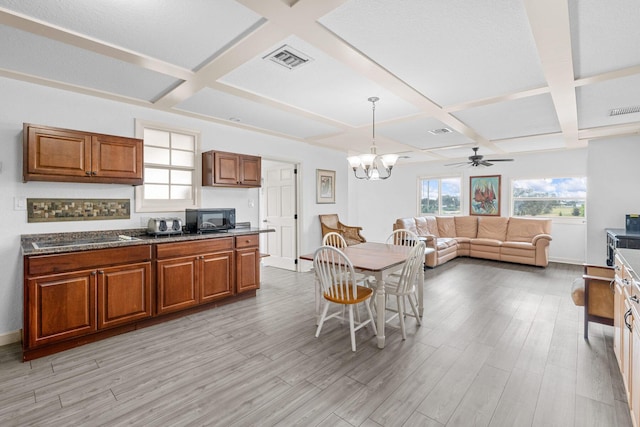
point(440, 131)
point(625, 110)
point(288, 57)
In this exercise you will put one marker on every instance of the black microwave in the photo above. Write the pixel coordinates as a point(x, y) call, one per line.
point(209, 220)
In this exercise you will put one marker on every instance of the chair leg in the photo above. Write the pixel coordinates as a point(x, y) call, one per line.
point(351, 328)
point(324, 315)
point(414, 308)
point(400, 303)
point(373, 320)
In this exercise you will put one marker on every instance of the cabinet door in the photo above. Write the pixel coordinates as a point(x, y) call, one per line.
point(124, 294)
point(56, 152)
point(634, 403)
point(116, 157)
point(60, 306)
point(226, 168)
point(625, 346)
point(177, 284)
point(216, 276)
point(618, 325)
point(247, 269)
point(250, 173)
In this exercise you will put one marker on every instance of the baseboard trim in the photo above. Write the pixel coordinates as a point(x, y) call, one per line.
point(10, 337)
point(566, 261)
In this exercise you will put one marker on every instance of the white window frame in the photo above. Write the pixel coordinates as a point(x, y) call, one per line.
point(558, 219)
point(439, 178)
point(155, 205)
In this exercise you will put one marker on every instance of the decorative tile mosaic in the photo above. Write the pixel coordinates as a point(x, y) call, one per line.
point(49, 210)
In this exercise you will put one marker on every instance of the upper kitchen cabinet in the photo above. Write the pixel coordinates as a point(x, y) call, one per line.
point(52, 154)
point(222, 169)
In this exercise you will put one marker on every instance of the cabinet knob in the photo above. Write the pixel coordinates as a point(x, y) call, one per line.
point(94, 173)
point(87, 173)
point(100, 272)
point(93, 273)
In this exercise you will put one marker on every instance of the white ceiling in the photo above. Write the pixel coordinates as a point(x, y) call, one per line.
point(511, 76)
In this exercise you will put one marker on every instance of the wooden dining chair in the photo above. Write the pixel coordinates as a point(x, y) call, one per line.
point(336, 276)
point(403, 287)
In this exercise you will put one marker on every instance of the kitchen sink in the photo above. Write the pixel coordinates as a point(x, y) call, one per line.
point(80, 242)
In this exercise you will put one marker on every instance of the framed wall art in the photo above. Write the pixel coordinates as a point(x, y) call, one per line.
point(325, 186)
point(484, 197)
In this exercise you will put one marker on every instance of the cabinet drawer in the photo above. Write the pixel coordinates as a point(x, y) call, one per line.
point(248, 241)
point(57, 263)
point(193, 247)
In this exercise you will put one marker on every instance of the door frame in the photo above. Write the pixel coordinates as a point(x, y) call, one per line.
point(261, 200)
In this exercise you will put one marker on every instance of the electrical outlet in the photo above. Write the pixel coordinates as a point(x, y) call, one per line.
point(251, 203)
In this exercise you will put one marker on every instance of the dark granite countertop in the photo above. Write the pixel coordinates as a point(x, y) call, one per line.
point(54, 243)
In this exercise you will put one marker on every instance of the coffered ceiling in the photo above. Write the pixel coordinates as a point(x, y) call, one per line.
point(508, 75)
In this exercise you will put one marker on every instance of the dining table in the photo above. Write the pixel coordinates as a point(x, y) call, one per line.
point(377, 260)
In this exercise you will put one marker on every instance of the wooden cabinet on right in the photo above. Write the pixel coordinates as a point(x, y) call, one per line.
point(52, 154)
point(626, 339)
point(247, 263)
point(222, 169)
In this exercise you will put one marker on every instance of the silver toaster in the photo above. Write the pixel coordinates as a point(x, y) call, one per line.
point(164, 226)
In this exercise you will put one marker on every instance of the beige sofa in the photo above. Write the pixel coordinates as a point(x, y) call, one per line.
point(519, 240)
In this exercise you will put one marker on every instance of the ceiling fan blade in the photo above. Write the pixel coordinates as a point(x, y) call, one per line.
point(456, 164)
point(499, 160)
point(485, 163)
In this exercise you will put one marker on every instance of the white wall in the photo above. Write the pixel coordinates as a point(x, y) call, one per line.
point(378, 204)
point(614, 190)
point(23, 102)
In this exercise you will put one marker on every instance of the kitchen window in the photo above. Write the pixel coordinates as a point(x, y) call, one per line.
point(439, 196)
point(171, 172)
point(549, 197)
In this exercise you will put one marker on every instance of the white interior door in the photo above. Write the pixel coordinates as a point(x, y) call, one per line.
point(279, 213)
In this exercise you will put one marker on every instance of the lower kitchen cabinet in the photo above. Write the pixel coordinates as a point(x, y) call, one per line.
point(60, 306)
point(247, 263)
point(124, 294)
point(74, 294)
point(205, 274)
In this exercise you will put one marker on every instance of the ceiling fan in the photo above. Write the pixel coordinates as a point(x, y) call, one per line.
point(478, 160)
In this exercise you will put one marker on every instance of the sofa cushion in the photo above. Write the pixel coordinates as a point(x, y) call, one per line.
point(492, 227)
point(466, 226)
point(486, 242)
point(524, 229)
point(446, 242)
point(407, 224)
point(426, 225)
point(518, 245)
point(446, 226)
point(463, 239)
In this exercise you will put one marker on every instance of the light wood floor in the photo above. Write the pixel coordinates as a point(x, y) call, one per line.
point(501, 345)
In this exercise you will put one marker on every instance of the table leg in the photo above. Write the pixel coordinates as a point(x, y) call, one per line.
point(380, 309)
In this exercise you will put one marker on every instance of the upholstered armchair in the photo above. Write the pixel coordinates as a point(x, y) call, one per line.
point(350, 234)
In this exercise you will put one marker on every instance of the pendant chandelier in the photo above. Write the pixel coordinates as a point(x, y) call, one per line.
point(373, 166)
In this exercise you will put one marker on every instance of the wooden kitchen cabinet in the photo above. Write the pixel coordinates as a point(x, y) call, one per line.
point(72, 295)
point(52, 154)
point(124, 294)
point(247, 263)
point(60, 306)
point(192, 273)
point(230, 169)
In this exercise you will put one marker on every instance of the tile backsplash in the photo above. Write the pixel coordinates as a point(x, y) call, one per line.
point(50, 210)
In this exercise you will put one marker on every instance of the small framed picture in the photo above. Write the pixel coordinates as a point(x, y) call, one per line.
point(484, 195)
point(325, 186)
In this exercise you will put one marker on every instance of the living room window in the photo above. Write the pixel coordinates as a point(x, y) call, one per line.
point(170, 168)
point(439, 196)
point(549, 197)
